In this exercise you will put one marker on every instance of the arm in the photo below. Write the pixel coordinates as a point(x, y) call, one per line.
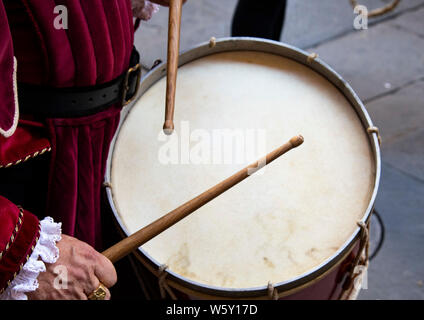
point(30, 250)
point(19, 229)
point(38, 262)
point(19, 233)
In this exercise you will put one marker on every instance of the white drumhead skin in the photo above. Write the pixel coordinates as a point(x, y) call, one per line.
point(271, 227)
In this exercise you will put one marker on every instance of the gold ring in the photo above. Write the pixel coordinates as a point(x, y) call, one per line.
point(99, 293)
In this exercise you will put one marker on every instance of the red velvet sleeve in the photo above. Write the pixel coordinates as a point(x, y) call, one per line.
point(19, 232)
point(19, 229)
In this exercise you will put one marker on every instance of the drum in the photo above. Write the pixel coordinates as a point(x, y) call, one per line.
point(297, 230)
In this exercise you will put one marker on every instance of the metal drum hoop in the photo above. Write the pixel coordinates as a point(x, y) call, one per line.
point(312, 61)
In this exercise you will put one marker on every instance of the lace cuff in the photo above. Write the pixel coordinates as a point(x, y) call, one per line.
point(144, 9)
point(46, 250)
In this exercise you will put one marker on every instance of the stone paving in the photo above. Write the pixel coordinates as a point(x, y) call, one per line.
point(385, 66)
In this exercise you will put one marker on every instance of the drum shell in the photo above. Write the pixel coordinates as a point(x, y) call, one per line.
point(329, 286)
point(326, 280)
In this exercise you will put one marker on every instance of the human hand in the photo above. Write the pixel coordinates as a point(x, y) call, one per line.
point(163, 2)
point(81, 269)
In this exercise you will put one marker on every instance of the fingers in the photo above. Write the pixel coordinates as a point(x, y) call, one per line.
point(105, 271)
point(90, 269)
point(107, 294)
point(101, 271)
point(95, 286)
point(86, 281)
point(164, 2)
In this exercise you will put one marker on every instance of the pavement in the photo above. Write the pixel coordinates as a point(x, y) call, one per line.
point(385, 66)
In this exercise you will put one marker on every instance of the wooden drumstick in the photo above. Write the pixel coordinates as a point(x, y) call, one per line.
point(175, 8)
point(131, 243)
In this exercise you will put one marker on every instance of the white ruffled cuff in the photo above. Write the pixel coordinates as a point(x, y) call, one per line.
point(144, 9)
point(46, 250)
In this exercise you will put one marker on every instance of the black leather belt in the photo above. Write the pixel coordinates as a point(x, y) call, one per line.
point(51, 102)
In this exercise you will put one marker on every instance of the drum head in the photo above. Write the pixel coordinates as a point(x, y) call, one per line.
point(273, 227)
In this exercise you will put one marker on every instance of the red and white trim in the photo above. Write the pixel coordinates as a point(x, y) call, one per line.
point(45, 251)
point(9, 132)
point(14, 233)
point(20, 249)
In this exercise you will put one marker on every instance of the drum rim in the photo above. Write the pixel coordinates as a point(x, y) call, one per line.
point(297, 55)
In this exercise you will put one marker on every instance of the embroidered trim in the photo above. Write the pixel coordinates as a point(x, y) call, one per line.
point(23, 263)
point(15, 231)
point(30, 156)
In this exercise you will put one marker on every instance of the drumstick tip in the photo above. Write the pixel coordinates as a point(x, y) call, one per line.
point(168, 127)
point(297, 141)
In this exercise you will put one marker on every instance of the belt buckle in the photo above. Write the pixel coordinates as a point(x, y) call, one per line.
point(136, 68)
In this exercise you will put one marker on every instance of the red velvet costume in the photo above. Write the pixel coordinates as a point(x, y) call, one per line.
point(95, 49)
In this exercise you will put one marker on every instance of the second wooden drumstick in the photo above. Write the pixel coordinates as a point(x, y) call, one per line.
point(175, 8)
point(131, 243)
